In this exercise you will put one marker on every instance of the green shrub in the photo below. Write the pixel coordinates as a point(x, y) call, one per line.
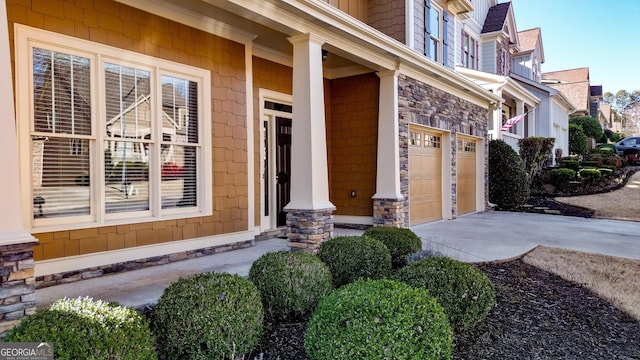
point(400, 242)
point(208, 316)
point(590, 176)
point(290, 283)
point(378, 319)
point(589, 125)
point(577, 140)
point(570, 163)
point(536, 153)
point(605, 149)
point(590, 163)
point(465, 293)
point(508, 180)
point(605, 172)
point(560, 177)
point(350, 258)
point(86, 329)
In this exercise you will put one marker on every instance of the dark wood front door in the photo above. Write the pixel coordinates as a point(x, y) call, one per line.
point(283, 167)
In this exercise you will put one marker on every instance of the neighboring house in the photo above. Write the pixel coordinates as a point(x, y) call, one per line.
point(575, 85)
point(493, 27)
point(595, 99)
point(289, 116)
point(604, 117)
point(551, 118)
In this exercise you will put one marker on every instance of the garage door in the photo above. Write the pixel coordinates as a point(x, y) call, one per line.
point(425, 176)
point(466, 174)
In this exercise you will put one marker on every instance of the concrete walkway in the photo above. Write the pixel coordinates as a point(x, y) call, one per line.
point(494, 235)
point(476, 237)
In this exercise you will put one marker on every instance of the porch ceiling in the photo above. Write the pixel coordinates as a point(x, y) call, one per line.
point(269, 34)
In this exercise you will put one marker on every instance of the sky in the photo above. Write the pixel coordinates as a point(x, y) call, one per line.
point(603, 35)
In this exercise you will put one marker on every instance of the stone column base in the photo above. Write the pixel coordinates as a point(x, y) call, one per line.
point(18, 290)
point(388, 212)
point(308, 229)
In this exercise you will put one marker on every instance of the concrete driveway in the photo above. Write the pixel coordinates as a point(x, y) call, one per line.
point(494, 235)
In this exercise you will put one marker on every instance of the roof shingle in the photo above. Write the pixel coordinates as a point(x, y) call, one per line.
point(496, 17)
point(528, 38)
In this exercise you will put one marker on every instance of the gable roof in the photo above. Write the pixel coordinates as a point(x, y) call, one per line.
point(568, 76)
point(528, 38)
point(496, 18)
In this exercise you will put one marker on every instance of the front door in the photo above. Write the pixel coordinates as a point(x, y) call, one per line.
point(283, 167)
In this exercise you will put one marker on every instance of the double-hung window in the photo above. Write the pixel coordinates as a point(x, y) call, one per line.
point(469, 55)
point(436, 33)
point(109, 136)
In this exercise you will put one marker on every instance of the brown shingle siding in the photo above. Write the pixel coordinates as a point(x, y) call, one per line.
point(111, 23)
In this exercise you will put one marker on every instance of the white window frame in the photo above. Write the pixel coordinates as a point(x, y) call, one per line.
point(438, 55)
point(466, 55)
point(27, 38)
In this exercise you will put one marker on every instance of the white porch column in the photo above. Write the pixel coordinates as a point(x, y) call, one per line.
point(16, 243)
point(496, 119)
point(310, 213)
point(388, 174)
point(388, 202)
point(309, 174)
point(532, 122)
point(520, 124)
point(11, 227)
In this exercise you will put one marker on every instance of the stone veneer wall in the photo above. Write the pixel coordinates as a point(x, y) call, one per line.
point(89, 273)
point(502, 45)
point(420, 103)
point(308, 229)
point(17, 293)
point(389, 212)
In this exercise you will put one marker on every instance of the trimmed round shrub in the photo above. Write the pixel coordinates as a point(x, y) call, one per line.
point(465, 293)
point(350, 258)
point(208, 316)
point(590, 176)
point(508, 179)
point(378, 319)
point(605, 149)
point(605, 172)
point(400, 242)
point(290, 283)
point(560, 177)
point(84, 328)
point(569, 163)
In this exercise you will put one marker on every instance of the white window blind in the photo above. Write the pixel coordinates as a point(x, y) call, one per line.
point(61, 139)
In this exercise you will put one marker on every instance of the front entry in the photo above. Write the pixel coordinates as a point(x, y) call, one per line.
point(283, 168)
point(276, 159)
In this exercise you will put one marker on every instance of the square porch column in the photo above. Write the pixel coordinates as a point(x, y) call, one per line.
point(17, 288)
point(309, 213)
point(388, 202)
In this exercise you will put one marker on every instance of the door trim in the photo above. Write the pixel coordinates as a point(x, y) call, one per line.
point(269, 221)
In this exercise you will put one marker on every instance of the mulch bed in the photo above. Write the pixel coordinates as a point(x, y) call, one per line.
point(538, 315)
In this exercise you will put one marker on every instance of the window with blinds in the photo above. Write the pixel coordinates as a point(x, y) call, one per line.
point(140, 156)
point(61, 134)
